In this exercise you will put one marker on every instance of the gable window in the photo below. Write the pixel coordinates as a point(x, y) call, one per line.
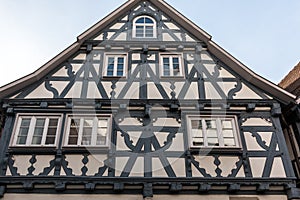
point(214, 131)
point(171, 65)
point(87, 131)
point(115, 65)
point(36, 130)
point(144, 27)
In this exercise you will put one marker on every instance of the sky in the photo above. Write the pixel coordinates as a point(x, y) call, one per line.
point(262, 34)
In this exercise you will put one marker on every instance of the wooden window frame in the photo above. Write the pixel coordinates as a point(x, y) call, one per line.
point(170, 57)
point(31, 129)
point(144, 27)
point(115, 69)
point(219, 128)
point(94, 131)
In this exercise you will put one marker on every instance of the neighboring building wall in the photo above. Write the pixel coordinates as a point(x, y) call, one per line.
point(291, 82)
point(291, 121)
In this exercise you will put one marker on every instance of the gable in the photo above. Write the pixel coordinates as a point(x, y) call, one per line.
point(208, 71)
point(81, 76)
point(167, 29)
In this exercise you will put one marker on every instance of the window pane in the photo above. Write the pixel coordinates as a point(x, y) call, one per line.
point(101, 136)
point(102, 131)
point(74, 129)
point(120, 67)
point(198, 141)
point(211, 124)
point(25, 122)
point(197, 133)
point(176, 69)
point(166, 63)
point(229, 142)
point(38, 132)
point(196, 124)
point(149, 31)
point(211, 128)
point(175, 62)
point(110, 66)
point(102, 122)
point(21, 140)
point(121, 61)
point(139, 31)
point(213, 142)
point(87, 132)
point(40, 123)
point(228, 133)
point(148, 21)
point(36, 140)
point(50, 140)
point(37, 136)
point(52, 129)
point(53, 122)
point(141, 20)
point(23, 132)
point(227, 124)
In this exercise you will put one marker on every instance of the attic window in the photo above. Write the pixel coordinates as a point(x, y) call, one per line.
point(213, 131)
point(36, 130)
point(144, 27)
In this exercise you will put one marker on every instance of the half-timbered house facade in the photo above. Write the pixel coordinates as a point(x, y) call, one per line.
point(145, 105)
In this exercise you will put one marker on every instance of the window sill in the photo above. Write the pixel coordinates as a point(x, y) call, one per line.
point(144, 39)
point(85, 149)
point(113, 77)
point(216, 150)
point(28, 150)
point(172, 77)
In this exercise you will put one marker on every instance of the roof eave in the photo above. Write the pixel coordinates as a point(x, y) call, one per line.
point(15, 86)
point(182, 20)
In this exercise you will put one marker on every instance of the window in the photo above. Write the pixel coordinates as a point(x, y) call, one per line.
point(87, 131)
point(36, 130)
point(171, 65)
point(213, 131)
point(115, 65)
point(144, 27)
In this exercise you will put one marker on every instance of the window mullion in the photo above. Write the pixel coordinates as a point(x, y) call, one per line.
point(219, 130)
point(124, 64)
point(108, 131)
point(57, 130)
point(189, 126)
point(180, 65)
point(171, 66)
point(31, 131)
point(94, 132)
point(235, 133)
point(204, 129)
point(80, 131)
point(115, 65)
point(45, 131)
point(68, 131)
